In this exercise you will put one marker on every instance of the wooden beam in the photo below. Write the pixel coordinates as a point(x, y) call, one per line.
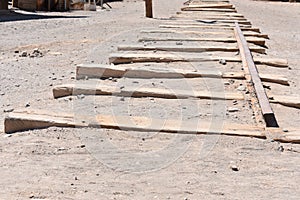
point(206, 17)
point(206, 21)
point(94, 89)
point(201, 25)
point(248, 63)
point(289, 101)
point(149, 11)
point(106, 71)
point(124, 58)
point(36, 119)
point(229, 27)
point(209, 13)
point(257, 41)
point(217, 5)
point(227, 33)
point(181, 48)
point(209, 10)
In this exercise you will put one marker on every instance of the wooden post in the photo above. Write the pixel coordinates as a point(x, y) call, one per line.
point(149, 12)
point(3, 4)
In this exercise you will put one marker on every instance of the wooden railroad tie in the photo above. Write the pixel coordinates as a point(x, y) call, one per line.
point(37, 119)
point(125, 58)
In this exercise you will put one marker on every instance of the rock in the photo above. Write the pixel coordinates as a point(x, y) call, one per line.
point(234, 168)
point(136, 82)
point(179, 43)
point(234, 102)
point(27, 104)
point(285, 130)
point(81, 96)
point(280, 148)
point(222, 61)
point(2, 93)
point(23, 54)
point(232, 109)
point(7, 110)
point(226, 83)
point(241, 88)
point(16, 51)
point(36, 50)
point(122, 99)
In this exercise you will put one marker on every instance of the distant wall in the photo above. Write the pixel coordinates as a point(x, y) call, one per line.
point(3, 4)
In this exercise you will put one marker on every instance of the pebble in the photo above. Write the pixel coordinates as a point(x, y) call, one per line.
point(234, 102)
point(232, 109)
point(24, 54)
point(27, 104)
point(241, 88)
point(222, 61)
point(7, 110)
point(179, 43)
point(234, 168)
point(2, 93)
point(285, 130)
point(280, 148)
point(81, 96)
point(135, 82)
point(122, 99)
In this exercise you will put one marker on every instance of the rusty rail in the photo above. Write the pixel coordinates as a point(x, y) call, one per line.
point(248, 63)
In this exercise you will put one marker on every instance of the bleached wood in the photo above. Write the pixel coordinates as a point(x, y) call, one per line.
point(95, 89)
point(37, 119)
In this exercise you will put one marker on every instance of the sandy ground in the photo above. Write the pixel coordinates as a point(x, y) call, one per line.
point(66, 163)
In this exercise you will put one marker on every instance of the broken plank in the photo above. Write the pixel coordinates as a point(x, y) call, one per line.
point(35, 119)
point(292, 136)
point(95, 89)
point(217, 5)
point(289, 101)
point(84, 71)
point(257, 41)
point(201, 25)
point(209, 13)
point(206, 21)
point(106, 71)
point(273, 78)
point(228, 33)
point(208, 27)
point(182, 48)
point(123, 58)
point(228, 10)
point(249, 64)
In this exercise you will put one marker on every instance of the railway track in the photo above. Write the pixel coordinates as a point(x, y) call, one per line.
point(204, 61)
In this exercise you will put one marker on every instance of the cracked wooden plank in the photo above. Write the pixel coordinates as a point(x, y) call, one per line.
point(38, 119)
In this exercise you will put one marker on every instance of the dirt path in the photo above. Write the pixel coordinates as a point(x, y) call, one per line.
point(66, 163)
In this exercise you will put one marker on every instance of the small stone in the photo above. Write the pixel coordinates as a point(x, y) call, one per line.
point(179, 43)
point(241, 88)
point(7, 110)
point(232, 109)
point(136, 82)
point(24, 54)
point(234, 102)
point(36, 50)
point(226, 83)
point(27, 104)
point(234, 168)
point(81, 96)
point(280, 148)
point(222, 61)
point(285, 130)
point(122, 99)
point(2, 93)
point(17, 51)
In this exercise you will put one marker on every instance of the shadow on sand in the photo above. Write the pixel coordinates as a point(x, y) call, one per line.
point(11, 15)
